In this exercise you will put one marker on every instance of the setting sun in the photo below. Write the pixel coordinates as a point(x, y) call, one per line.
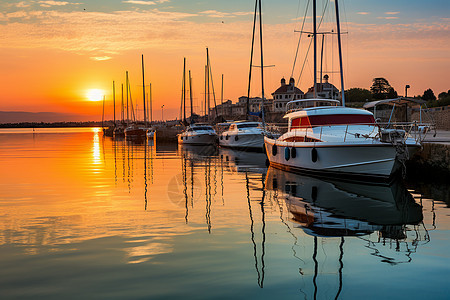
point(95, 94)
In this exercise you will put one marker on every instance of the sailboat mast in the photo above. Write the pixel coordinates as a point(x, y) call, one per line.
point(221, 96)
point(151, 104)
point(207, 80)
point(128, 112)
point(190, 93)
point(103, 110)
point(122, 107)
point(247, 104)
point(143, 88)
point(205, 97)
point(184, 90)
point(114, 103)
point(262, 65)
point(340, 52)
point(315, 46)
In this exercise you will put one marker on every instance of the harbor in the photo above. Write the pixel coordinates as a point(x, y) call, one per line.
point(224, 150)
point(184, 216)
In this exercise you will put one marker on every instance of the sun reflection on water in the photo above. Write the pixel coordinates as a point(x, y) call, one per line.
point(96, 149)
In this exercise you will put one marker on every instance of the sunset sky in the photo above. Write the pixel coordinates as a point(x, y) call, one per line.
point(53, 52)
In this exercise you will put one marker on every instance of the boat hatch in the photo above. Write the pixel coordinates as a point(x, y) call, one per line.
point(323, 120)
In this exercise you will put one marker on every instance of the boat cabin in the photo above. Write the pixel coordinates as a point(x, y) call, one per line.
point(198, 127)
point(305, 103)
point(323, 116)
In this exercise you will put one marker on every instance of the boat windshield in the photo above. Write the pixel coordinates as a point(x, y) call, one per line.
point(248, 125)
point(324, 120)
point(304, 103)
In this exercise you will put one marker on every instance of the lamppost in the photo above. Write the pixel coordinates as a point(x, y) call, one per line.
point(406, 90)
point(162, 113)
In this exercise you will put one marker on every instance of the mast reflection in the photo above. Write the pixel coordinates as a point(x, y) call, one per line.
point(386, 217)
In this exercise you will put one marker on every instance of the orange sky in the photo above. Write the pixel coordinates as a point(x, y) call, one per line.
point(50, 57)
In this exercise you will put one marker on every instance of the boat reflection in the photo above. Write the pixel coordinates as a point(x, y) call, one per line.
point(242, 161)
point(331, 208)
point(385, 217)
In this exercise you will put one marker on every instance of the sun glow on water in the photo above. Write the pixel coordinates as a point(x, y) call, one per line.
point(95, 94)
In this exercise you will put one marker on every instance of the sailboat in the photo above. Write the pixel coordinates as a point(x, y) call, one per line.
point(150, 131)
point(135, 130)
point(325, 137)
point(246, 134)
point(195, 133)
point(119, 129)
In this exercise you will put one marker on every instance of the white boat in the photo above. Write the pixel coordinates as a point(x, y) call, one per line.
point(198, 134)
point(336, 140)
point(244, 135)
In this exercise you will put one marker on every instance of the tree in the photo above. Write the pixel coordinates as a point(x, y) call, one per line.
point(444, 95)
point(381, 89)
point(429, 95)
point(358, 95)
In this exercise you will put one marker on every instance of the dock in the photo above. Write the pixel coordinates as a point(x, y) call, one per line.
point(434, 157)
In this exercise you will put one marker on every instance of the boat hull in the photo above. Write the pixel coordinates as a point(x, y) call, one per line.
point(197, 139)
point(242, 141)
point(362, 161)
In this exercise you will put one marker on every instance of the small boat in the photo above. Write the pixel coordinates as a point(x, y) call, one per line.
point(119, 130)
point(244, 135)
point(198, 134)
point(134, 130)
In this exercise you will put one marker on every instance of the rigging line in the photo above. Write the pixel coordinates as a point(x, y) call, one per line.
point(309, 47)
point(251, 59)
point(300, 38)
point(212, 85)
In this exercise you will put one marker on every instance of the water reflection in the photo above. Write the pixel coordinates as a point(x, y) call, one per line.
point(202, 214)
point(339, 208)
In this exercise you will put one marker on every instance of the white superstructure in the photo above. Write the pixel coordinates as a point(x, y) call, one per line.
point(243, 135)
point(198, 134)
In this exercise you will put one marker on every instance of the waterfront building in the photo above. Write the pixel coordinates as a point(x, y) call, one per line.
point(284, 94)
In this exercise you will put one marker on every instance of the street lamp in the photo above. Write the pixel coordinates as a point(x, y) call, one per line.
point(162, 113)
point(406, 90)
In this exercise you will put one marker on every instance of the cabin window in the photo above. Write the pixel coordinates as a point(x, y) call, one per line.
point(248, 125)
point(300, 123)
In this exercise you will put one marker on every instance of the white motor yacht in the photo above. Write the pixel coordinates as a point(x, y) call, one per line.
point(243, 135)
point(336, 140)
point(198, 134)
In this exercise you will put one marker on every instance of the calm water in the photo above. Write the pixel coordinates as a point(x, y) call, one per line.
point(86, 217)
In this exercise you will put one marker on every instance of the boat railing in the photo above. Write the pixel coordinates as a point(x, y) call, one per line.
point(416, 130)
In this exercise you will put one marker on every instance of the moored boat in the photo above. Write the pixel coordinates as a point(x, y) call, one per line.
point(198, 134)
point(335, 140)
point(244, 135)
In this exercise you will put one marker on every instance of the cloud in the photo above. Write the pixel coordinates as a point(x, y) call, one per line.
point(101, 58)
point(143, 2)
point(140, 2)
point(392, 13)
point(363, 13)
point(387, 18)
point(23, 4)
point(53, 3)
point(218, 14)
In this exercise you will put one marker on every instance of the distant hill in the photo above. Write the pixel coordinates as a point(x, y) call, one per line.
point(48, 117)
